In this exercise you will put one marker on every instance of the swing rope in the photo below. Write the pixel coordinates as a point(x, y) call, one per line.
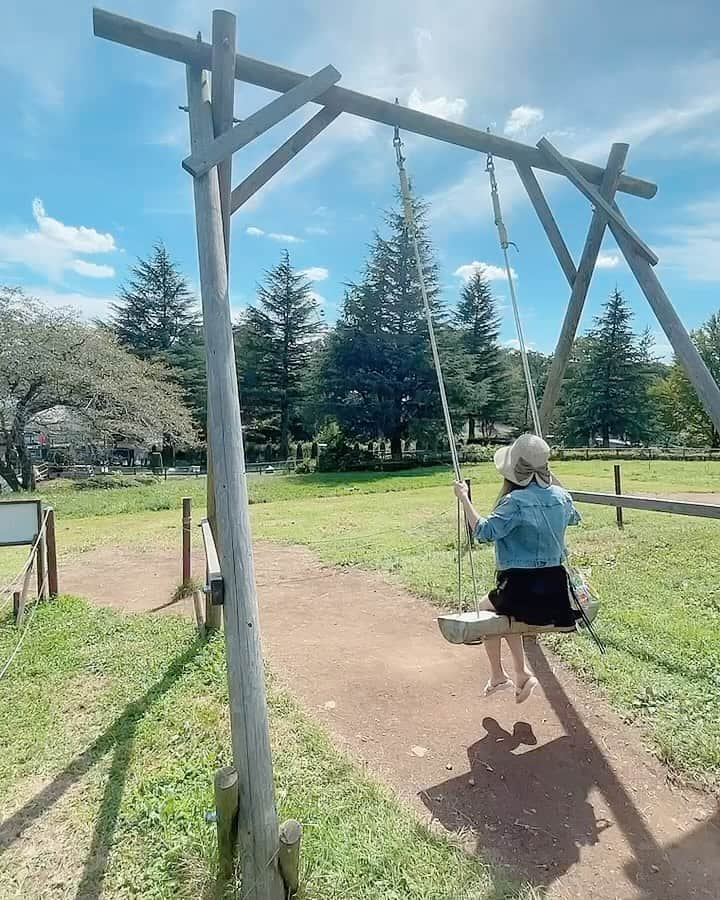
point(504, 244)
point(411, 227)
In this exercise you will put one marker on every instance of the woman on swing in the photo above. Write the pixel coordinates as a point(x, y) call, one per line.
point(527, 527)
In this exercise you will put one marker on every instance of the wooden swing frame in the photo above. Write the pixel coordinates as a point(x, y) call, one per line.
point(214, 138)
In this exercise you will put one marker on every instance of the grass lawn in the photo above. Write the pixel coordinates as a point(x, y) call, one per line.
point(659, 578)
point(111, 728)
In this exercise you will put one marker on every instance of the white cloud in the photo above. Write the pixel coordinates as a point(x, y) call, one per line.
point(693, 244)
point(318, 230)
point(52, 247)
point(467, 200)
point(284, 238)
point(91, 270)
point(489, 271)
point(522, 119)
point(79, 239)
point(438, 106)
point(315, 273)
point(608, 261)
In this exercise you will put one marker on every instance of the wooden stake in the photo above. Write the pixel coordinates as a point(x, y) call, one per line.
point(186, 540)
point(197, 607)
point(40, 553)
point(16, 606)
point(226, 812)
point(51, 554)
point(585, 269)
point(289, 858)
point(618, 491)
point(258, 832)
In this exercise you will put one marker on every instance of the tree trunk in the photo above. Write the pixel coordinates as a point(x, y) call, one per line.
point(284, 427)
point(396, 444)
point(7, 471)
point(471, 428)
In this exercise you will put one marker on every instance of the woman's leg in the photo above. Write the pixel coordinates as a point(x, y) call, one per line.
point(498, 675)
point(493, 648)
point(517, 651)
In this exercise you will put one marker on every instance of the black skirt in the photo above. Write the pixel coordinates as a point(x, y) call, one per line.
point(535, 596)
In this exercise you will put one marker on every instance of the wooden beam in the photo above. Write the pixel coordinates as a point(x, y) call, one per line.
point(584, 186)
point(281, 157)
point(547, 220)
point(653, 504)
point(259, 122)
point(581, 285)
point(184, 49)
point(214, 585)
point(223, 103)
point(258, 833)
point(40, 554)
point(707, 388)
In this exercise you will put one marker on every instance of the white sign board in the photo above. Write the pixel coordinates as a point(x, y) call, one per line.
point(18, 522)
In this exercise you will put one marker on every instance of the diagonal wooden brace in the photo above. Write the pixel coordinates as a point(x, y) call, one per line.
point(547, 220)
point(580, 286)
point(281, 157)
point(594, 196)
point(258, 123)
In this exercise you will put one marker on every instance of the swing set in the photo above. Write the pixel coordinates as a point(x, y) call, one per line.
point(214, 137)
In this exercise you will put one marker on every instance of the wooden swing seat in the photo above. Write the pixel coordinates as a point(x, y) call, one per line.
point(474, 627)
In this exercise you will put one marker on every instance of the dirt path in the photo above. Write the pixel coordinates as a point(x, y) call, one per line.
point(558, 789)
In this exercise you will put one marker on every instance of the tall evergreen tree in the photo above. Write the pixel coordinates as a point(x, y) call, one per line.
point(377, 370)
point(275, 342)
point(477, 320)
point(156, 310)
point(681, 410)
point(609, 395)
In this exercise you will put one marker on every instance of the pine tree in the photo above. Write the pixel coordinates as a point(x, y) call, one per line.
point(156, 309)
point(609, 394)
point(377, 369)
point(477, 320)
point(275, 343)
point(681, 410)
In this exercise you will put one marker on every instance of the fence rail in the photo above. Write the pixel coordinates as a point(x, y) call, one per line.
point(655, 504)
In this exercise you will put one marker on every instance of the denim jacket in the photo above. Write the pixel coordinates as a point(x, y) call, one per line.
point(528, 527)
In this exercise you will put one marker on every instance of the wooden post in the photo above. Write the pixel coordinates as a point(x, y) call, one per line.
point(258, 832)
point(16, 605)
point(51, 547)
point(580, 287)
point(618, 491)
point(22, 599)
point(289, 858)
point(197, 607)
point(186, 540)
point(681, 342)
point(226, 812)
point(40, 554)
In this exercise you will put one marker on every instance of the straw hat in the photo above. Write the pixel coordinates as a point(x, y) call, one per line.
point(525, 459)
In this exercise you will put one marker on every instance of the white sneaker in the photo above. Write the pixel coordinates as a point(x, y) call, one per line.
point(491, 688)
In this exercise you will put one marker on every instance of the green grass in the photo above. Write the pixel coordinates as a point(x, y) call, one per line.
point(112, 727)
point(659, 579)
point(638, 476)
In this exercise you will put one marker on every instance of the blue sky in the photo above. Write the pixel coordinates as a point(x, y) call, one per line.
point(91, 172)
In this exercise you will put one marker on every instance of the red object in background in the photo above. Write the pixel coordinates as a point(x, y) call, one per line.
point(42, 439)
